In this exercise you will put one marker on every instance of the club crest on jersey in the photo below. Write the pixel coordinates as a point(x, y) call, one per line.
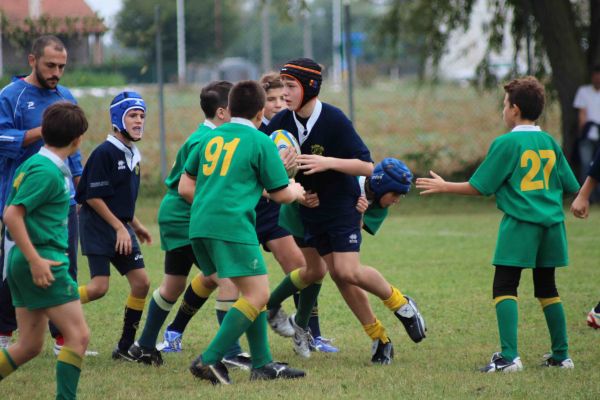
point(317, 149)
point(121, 165)
point(30, 105)
point(353, 238)
point(18, 180)
point(137, 169)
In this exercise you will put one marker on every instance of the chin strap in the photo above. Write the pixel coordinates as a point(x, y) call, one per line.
point(128, 136)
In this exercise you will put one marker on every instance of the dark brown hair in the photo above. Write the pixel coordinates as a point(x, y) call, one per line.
point(528, 94)
point(214, 96)
point(271, 80)
point(39, 44)
point(62, 123)
point(246, 99)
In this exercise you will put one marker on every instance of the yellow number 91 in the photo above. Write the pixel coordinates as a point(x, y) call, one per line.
point(212, 154)
point(528, 183)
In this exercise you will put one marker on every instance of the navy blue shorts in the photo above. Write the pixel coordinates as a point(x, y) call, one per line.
point(179, 261)
point(98, 241)
point(339, 238)
point(267, 223)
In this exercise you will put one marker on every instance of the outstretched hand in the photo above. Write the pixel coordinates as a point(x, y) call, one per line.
point(431, 185)
point(312, 163)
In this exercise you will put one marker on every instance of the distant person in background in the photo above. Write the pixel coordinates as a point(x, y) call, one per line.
point(587, 102)
point(22, 103)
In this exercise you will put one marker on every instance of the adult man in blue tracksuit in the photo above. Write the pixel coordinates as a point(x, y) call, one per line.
point(22, 104)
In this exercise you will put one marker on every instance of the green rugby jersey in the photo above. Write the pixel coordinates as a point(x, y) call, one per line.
point(232, 165)
point(174, 211)
point(41, 185)
point(528, 172)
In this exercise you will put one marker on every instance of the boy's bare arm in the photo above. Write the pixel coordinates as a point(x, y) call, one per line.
point(14, 218)
point(293, 192)
point(123, 244)
point(140, 230)
point(312, 163)
point(581, 205)
point(187, 187)
point(437, 184)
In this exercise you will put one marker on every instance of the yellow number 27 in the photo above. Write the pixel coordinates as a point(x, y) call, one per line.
point(528, 182)
point(213, 151)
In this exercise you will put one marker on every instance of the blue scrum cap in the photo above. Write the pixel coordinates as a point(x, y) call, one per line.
point(390, 175)
point(121, 105)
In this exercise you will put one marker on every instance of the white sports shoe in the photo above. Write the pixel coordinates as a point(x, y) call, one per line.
point(302, 339)
point(551, 362)
point(279, 322)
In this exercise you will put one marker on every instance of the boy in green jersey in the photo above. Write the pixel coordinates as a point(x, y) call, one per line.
point(224, 177)
point(36, 218)
point(528, 172)
point(174, 221)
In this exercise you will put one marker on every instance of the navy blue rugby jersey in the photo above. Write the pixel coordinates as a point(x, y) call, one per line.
point(331, 134)
point(112, 173)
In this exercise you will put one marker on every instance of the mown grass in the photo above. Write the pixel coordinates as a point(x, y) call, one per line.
point(438, 251)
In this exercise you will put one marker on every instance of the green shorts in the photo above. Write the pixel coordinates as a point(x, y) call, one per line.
point(26, 294)
point(527, 245)
point(228, 259)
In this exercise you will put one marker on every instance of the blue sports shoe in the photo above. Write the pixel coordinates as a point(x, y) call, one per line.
point(323, 345)
point(172, 343)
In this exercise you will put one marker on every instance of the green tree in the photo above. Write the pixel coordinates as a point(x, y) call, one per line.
point(566, 35)
point(210, 26)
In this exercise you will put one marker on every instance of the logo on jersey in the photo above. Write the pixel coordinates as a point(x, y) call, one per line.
point(137, 169)
point(30, 105)
point(121, 165)
point(353, 238)
point(317, 149)
point(18, 180)
point(254, 263)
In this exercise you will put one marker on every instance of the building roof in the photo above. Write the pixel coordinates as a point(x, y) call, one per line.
point(17, 11)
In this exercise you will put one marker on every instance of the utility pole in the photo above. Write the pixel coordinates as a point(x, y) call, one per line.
point(181, 58)
point(307, 35)
point(348, 53)
point(161, 101)
point(337, 45)
point(267, 60)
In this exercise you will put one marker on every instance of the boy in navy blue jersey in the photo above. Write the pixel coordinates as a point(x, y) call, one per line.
point(108, 227)
point(332, 156)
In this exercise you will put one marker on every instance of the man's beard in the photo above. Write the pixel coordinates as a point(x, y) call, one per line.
point(43, 81)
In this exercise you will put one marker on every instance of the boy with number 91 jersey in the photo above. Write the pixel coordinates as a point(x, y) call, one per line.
point(528, 173)
point(225, 176)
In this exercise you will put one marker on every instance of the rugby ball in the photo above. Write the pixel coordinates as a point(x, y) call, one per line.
point(285, 140)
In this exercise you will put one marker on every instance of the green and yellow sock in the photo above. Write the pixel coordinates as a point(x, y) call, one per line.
point(557, 327)
point(259, 341)
point(396, 300)
point(194, 298)
point(68, 369)
point(158, 310)
point(288, 286)
point(236, 322)
point(376, 331)
point(507, 313)
point(7, 365)
point(131, 321)
point(221, 308)
point(306, 303)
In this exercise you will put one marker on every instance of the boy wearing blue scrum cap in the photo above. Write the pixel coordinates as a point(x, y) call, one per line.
point(333, 155)
point(108, 227)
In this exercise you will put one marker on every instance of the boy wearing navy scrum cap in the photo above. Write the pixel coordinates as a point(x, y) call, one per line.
point(108, 227)
point(333, 154)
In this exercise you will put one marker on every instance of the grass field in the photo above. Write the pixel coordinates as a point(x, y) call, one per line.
point(436, 250)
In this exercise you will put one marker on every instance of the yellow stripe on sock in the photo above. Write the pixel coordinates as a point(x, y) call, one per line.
point(7, 365)
point(545, 302)
point(376, 331)
point(396, 300)
point(246, 308)
point(135, 303)
point(224, 305)
point(161, 302)
point(502, 298)
point(69, 356)
point(296, 280)
point(83, 294)
point(199, 288)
